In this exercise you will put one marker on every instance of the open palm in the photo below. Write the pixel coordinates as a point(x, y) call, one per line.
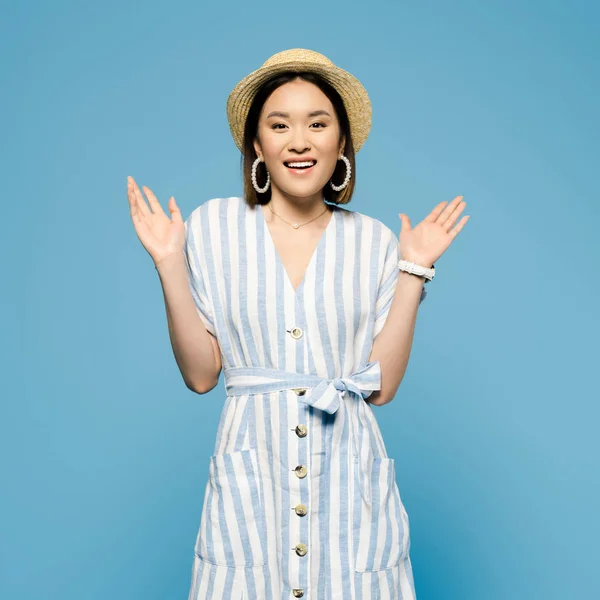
point(160, 235)
point(426, 242)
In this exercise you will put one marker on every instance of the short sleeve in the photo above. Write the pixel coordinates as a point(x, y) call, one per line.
point(388, 281)
point(194, 262)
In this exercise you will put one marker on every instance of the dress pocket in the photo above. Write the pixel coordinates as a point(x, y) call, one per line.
point(233, 528)
point(381, 527)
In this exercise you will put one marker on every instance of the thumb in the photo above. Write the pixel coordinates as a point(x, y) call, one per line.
point(174, 210)
point(404, 222)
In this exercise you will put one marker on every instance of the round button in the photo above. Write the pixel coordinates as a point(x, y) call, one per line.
point(301, 430)
point(301, 549)
point(300, 471)
point(300, 509)
point(298, 592)
point(296, 333)
point(299, 391)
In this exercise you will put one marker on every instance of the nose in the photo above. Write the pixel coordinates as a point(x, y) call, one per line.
point(298, 141)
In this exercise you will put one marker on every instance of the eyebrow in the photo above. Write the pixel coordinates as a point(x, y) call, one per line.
point(314, 113)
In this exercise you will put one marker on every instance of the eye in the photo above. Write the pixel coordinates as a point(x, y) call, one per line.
point(278, 125)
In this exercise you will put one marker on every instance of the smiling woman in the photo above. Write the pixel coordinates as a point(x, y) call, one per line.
point(301, 498)
point(306, 499)
point(324, 128)
point(298, 300)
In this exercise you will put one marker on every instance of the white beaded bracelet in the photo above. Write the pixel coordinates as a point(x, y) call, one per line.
point(415, 269)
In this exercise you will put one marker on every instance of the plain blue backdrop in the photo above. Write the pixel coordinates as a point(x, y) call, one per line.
point(495, 426)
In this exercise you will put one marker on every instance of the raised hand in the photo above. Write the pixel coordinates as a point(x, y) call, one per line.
point(160, 235)
point(426, 242)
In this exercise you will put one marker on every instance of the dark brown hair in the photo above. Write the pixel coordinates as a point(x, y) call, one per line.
point(251, 196)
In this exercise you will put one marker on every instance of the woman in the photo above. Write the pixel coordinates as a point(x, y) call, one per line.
point(310, 311)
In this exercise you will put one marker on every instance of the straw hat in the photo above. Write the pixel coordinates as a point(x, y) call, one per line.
point(354, 95)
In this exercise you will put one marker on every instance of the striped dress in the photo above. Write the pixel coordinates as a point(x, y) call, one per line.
point(301, 499)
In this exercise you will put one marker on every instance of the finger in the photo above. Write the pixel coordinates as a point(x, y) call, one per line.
point(130, 196)
point(435, 213)
point(141, 228)
point(174, 210)
point(447, 212)
point(139, 199)
point(154, 203)
point(404, 223)
point(454, 232)
point(134, 211)
point(140, 224)
point(454, 216)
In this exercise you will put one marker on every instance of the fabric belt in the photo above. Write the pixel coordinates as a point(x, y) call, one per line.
point(325, 394)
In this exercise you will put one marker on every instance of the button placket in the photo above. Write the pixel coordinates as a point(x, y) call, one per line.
point(301, 471)
point(300, 509)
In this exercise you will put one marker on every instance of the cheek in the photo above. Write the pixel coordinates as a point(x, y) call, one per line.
point(330, 152)
point(328, 167)
point(271, 143)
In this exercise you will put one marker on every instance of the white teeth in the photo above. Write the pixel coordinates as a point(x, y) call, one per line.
point(301, 164)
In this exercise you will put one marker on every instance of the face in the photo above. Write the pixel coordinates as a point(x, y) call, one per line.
point(288, 132)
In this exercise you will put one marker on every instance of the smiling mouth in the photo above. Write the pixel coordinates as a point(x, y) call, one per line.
point(300, 167)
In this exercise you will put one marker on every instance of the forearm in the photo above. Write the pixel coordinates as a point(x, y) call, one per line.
point(191, 342)
point(393, 344)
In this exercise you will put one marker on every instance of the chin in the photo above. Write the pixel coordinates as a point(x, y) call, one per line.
point(301, 190)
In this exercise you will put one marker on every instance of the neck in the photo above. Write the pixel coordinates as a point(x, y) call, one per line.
point(297, 208)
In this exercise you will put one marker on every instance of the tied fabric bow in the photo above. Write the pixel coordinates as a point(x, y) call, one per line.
point(325, 394)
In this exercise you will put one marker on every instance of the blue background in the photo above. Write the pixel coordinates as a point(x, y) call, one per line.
point(495, 426)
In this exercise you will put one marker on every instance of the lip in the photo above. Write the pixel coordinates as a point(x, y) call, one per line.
point(300, 172)
point(300, 159)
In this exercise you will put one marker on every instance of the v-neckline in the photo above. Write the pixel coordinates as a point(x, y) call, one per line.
point(309, 266)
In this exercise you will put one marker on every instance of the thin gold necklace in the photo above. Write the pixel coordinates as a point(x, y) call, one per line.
point(296, 225)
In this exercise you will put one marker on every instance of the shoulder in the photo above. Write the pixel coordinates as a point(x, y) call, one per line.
point(209, 210)
point(373, 228)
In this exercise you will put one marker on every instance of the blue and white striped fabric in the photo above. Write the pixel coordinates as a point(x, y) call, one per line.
point(302, 500)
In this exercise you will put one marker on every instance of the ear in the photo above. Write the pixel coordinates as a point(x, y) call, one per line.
point(342, 145)
point(257, 149)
